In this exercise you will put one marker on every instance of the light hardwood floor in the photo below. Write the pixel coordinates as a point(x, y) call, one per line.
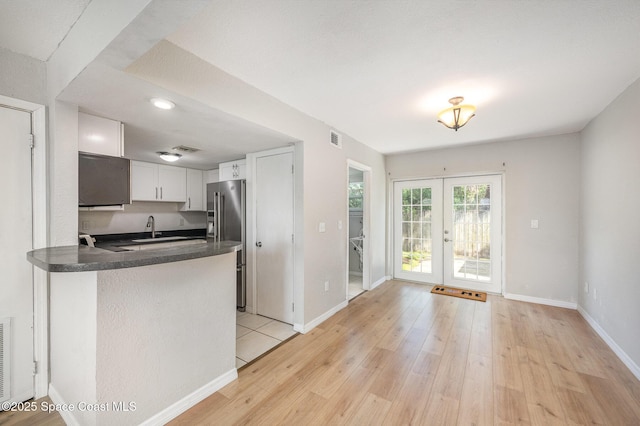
point(400, 355)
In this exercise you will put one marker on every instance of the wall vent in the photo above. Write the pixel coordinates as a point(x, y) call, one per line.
point(5, 364)
point(186, 149)
point(336, 139)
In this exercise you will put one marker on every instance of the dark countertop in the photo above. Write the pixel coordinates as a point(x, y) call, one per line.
point(84, 258)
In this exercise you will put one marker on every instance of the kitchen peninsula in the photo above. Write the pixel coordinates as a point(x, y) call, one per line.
point(139, 335)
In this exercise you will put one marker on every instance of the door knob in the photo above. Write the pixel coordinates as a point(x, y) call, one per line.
point(446, 240)
point(259, 244)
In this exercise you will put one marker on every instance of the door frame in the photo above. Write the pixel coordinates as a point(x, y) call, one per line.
point(366, 225)
point(40, 212)
point(503, 227)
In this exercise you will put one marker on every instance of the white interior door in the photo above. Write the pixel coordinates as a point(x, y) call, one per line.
point(274, 236)
point(449, 231)
point(473, 233)
point(16, 284)
point(418, 230)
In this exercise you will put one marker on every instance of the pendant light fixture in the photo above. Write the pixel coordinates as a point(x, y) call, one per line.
point(457, 115)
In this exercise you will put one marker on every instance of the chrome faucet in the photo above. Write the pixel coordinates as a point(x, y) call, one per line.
point(151, 223)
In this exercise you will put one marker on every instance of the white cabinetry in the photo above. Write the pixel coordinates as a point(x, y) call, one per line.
point(99, 135)
point(195, 192)
point(233, 170)
point(156, 182)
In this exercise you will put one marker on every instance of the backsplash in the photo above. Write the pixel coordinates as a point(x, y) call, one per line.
point(134, 219)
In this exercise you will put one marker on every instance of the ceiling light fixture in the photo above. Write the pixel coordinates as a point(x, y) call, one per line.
point(162, 103)
point(169, 156)
point(457, 115)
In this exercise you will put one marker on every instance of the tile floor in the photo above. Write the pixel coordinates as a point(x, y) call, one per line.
point(355, 285)
point(255, 335)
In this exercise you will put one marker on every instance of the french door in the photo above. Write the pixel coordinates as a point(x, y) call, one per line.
point(449, 231)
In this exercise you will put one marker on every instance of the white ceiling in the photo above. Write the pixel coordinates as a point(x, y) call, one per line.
point(35, 28)
point(376, 70)
point(380, 70)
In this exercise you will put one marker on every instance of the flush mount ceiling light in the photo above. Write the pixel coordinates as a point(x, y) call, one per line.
point(457, 115)
point(162, 103)
point(169, 156)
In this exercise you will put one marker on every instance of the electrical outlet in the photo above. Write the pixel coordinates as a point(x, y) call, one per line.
point(586, 287)
point(181, 222)
point(534, 223)
point(326, 286)
point(85, 225)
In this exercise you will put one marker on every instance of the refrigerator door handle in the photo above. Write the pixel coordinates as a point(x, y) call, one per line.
point(218, 214)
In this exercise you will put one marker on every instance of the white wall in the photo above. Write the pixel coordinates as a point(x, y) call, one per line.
point(163, 334)
point(22, 77)
point(541, 182)
point(610, 226)
point(323, 169)
point(134, 218)
point(72, 332)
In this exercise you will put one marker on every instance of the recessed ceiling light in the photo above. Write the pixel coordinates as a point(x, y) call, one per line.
point(169, 156)
point(162, 103)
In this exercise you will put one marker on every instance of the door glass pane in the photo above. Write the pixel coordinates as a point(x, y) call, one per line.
point(416, 228)
point(471, 232)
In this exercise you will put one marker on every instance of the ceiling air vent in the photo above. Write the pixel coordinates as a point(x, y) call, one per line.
point(186, 149)
point(336, 139)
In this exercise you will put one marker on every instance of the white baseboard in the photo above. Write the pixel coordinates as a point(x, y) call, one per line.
point(380, 281)
point(169, 413)
point(179, 407)
point(67, 415)
point(305, 328)
point(631, 365)
point(541, 301)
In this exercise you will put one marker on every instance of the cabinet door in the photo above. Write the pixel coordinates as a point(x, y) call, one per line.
point(172, 182)
point(144, 181)
point(233, 170)
point(99, 135)
point(195, 192)
point(226, 172)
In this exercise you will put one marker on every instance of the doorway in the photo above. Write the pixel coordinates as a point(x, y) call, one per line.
point(449, 231)
point(358, 190)
point(16, 230)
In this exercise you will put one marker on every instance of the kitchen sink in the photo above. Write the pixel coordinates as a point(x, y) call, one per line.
point(165, 244)
point(150, 240)
point(155, 243)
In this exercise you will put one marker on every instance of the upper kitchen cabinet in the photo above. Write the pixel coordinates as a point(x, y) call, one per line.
point(195, 191)
point(157, 182)
point(99, 135)
point(233, 170)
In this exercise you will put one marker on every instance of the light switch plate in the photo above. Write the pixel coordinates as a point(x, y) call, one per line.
point(322, 227)
point(534, 223)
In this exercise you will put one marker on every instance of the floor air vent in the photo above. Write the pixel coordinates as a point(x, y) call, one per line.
point(5, 365)
point(336, 139)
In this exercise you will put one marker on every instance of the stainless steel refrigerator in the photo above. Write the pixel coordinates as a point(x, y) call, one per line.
point(226, 220)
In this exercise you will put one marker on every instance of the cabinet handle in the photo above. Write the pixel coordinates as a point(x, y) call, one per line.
point(156, 192)
point(189, 202)
point(161, 193)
